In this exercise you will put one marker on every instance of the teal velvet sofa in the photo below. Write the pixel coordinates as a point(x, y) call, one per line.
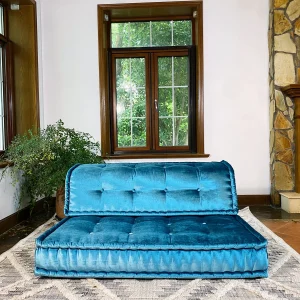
point(151, 220)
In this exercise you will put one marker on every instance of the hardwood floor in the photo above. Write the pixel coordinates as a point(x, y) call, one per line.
point(283, 224)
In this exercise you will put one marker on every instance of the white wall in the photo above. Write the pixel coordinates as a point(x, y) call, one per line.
point(235, 79)
point(8, 200)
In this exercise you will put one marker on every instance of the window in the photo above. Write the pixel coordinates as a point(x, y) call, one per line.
point(6, 105)
point(151, 94)
point(2, 119)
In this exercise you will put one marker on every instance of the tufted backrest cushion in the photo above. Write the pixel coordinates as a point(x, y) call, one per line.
point(136, 189)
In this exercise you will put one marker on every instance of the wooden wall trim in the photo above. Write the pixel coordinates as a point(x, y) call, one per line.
point(24, 214)
point(103, 84)
point(103, 45)
point(22, 32)
point(250, 200)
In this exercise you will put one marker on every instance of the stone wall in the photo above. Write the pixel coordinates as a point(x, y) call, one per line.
point(284, 52)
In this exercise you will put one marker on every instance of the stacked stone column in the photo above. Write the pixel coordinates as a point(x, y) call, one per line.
point(284, 52)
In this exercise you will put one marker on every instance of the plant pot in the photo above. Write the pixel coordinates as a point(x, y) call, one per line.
point(60, 202)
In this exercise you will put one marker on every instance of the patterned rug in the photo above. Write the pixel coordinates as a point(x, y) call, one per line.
point(17, 280)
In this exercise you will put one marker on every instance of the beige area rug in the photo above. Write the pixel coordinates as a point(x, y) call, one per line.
point(17, 280)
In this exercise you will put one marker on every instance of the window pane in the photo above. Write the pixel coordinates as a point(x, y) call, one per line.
point(165, 102)
point(2, 120)
point(181, 96)
point(123, 103)
point(131, 102)
point(138, 103)
point(138, 76)
point(139, 132)
point(120, 35)
point(123, 73)
point(124, 132)
point(182, 33)
point(1, 20)
point(161, 33)
point(165, 131)
point(165, 71)
point(181, 71)
point(2, 135)
point(151, 34)
point(181, 131)
point(140, 34)
point(173, 101)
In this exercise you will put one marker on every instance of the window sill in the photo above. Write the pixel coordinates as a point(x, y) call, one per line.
point(157, 155)
point(4, 164)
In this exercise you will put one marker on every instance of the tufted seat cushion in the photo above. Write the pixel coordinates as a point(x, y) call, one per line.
point(219, 246)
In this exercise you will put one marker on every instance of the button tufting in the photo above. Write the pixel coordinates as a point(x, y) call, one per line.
point(165, 190)
point(133, 190)
point(199, 190)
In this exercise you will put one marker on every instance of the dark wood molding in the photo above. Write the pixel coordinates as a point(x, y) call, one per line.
point(199, 80)
point(24, 214)
point(292, 90)
point(21, 103)
point(250, 200)
point(8, 83)
point(10, 122)
point(20, 2)
point(22, 33)
point(157, 155)
point(150, 10)
point(3, 164)
point(2, 37)
point(156, 9)
point(36, 58)
point(157, 18)
point(149, 4)
point(113, 113)
point(103, 83)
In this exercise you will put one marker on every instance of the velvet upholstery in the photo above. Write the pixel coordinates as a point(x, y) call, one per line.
point(151, 189)
point(191, 245)
point(151, 220)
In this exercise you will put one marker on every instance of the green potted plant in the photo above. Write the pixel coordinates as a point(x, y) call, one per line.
point(40, 161)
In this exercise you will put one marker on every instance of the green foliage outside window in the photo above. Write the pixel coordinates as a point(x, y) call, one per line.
point(173, 83)
point(151, 34)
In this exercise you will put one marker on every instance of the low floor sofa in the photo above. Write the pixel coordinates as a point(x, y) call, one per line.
point(151, 220)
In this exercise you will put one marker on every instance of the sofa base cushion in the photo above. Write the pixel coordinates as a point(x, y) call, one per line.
point(218, 246)
point(73, 274)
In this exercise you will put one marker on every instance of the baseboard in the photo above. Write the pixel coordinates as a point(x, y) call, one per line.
point(250, 200)
point(24, 214)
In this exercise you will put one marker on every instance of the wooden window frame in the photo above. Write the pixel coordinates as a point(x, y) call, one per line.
point(113, 115)
point(139, 11)
point(168, 149)
point(8, 99)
